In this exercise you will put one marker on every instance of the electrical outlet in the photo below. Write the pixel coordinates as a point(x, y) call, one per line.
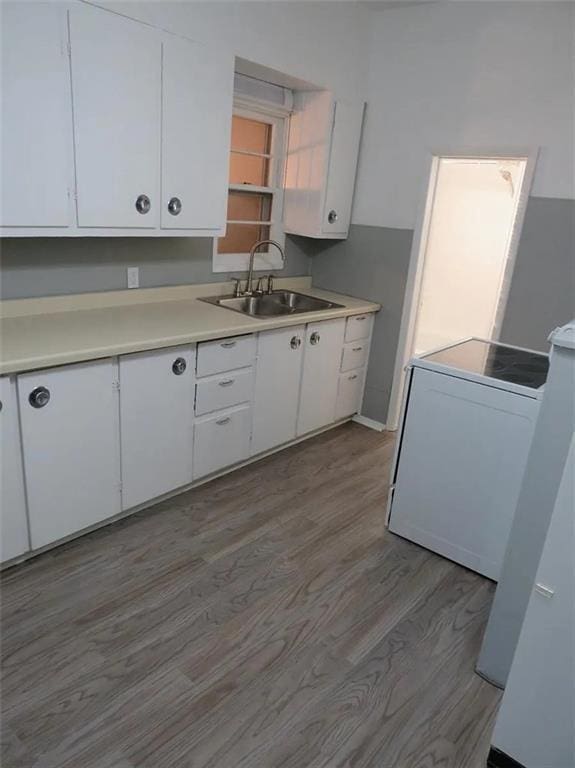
point(133, 277)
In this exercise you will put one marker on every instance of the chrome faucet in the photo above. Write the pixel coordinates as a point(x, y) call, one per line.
point(250, 280)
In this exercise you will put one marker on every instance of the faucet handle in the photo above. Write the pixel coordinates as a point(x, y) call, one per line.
point(260, 284)
point(270, 283)
point(237, 283)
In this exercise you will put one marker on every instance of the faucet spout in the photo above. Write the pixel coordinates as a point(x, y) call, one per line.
point(250, 280)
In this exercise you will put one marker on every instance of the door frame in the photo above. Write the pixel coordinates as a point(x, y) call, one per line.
point(419, 245)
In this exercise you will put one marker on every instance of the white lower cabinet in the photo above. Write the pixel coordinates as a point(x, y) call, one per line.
point(100, 437)
point(156, 416)
point(321, 366)
point(13, 522)
point(222, 439)
point(70, 439)
point(278, 376)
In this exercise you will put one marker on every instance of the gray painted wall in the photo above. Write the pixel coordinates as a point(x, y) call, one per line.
point(542, 294)
point(371, 264)
point(52, 266)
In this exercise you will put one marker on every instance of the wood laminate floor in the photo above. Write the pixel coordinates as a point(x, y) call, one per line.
point(262, 620)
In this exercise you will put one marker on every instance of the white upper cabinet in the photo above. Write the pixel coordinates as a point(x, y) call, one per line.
point(110, 126)
point(197, 97)
point(321, 165)
point(36, 121)
point(116, 81)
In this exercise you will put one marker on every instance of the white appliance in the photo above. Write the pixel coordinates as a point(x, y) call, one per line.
point(547, 467)
point(467, 422)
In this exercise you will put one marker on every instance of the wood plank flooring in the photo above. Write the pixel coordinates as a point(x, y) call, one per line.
point(264, 620)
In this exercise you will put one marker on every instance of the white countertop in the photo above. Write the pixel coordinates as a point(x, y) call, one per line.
point(39, 333)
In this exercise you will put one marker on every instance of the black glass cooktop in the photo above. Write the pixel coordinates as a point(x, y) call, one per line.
point(517, 366)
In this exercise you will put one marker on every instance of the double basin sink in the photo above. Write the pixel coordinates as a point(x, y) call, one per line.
point(272, 304)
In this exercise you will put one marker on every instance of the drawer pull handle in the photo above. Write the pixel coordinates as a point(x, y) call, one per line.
point(360, 317)
point(226, 382)
point(225, 420)
point(314, 338)
point(228, 344)
point(357, 349)
point(351, 378)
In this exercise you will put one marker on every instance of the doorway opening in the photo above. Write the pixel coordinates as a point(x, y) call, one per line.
point(462, 260)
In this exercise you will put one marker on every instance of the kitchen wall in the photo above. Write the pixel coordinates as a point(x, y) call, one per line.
point(52, 266)
point(462, 76)
point(437, 76)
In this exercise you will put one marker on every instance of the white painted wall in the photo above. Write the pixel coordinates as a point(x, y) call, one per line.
point(320, 42)
point(450, 75)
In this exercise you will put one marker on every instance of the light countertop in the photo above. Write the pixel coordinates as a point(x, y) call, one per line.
point(39, 333)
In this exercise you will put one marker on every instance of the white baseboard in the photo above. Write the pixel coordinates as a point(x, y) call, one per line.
point(371, 423)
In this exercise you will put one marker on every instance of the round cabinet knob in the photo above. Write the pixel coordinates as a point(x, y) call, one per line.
point(143, 204)
point(332, 216)
point(179, 366)
point(314, 338)
point(174, 206)
point(295, 342)
point(39, 397)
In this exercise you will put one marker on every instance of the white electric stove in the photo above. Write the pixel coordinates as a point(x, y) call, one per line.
point(466, 428)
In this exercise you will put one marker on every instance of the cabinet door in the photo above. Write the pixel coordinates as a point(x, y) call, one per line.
point(36, 117)
point(156, 417)
point(307, 162)
point(70, 439)
point(197, 93)
point(463, 452)
point(322, 356)
point(278, 377)
point(321, 164)
point(116, 68)
point(13, 523)
point(344, 151)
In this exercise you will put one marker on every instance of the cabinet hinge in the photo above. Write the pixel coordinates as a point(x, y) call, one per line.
point(120, 487)
point(116, 386)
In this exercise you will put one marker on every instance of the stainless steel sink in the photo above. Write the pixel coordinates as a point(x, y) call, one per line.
point(272, 304)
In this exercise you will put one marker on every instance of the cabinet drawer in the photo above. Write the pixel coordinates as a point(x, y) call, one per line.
point(225, 354)
point(221, 439)
point(224, 390)
point(358, 327)
point(354, 355)
point(349, 394)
